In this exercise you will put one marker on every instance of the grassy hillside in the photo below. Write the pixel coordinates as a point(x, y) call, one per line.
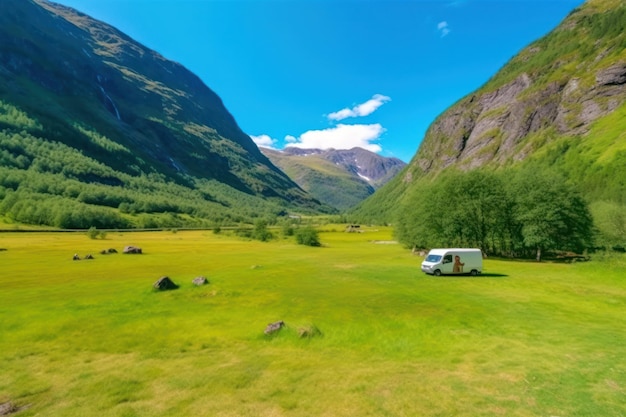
point(91, 337)
point(328, 182)
point(558, 106)
point(46, 182)
point(94, 122)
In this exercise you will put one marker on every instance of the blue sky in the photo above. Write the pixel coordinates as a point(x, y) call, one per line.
point(336, 73)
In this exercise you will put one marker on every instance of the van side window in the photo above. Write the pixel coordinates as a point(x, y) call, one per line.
point(447, 259)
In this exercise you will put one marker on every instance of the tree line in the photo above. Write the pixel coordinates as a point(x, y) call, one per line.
point(518, 213)
point(48, 183)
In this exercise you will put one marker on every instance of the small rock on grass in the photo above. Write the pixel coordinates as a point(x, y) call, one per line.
point(164, 284)
point(274, 327)
point(132, 249)
point(200, 281)
point(9, 408)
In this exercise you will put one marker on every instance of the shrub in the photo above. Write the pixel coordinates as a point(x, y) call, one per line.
point(307, 236)
point(94, 233)
point(261, 232)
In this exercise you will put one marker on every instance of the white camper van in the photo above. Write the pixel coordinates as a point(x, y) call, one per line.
point(453, 262)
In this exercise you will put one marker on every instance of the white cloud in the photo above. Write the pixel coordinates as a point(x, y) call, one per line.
point(360, 110)
point(290, 139)
point(443, 28)
point(264, 141)
point(342, 137)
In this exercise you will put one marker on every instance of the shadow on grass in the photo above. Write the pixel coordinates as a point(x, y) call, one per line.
point(483, 275)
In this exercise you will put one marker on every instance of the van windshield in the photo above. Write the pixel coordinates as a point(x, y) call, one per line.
point(433, 258)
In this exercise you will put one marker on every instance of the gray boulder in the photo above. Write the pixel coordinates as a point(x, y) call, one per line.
point(274, 327)
point(200, 281)
point(132, 249)
point(165, 284)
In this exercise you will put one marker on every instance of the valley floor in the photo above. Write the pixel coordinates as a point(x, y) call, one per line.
point(366, 333)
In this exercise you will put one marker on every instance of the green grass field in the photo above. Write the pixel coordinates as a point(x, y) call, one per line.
point(91, 337)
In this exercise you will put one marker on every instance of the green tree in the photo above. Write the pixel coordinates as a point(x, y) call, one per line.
point(261, 232)
point(420, 223)
point(458, 209)
point(551, 213)
point(533, 210)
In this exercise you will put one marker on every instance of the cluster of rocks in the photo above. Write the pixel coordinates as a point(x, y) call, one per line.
point(127, 250)
point(165, 283)
point(304, 332)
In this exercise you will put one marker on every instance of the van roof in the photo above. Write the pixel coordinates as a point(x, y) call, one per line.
point(440, 251)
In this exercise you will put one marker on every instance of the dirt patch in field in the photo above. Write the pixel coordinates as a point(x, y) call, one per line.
point(10, 408)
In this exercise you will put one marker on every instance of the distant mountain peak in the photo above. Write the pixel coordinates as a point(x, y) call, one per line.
point(339, 177)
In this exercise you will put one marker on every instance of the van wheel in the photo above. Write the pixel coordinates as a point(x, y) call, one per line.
point(474, 272)
point(437, 273)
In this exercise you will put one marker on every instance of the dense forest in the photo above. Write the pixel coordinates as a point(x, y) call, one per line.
point(521, 213)
point(44, 182)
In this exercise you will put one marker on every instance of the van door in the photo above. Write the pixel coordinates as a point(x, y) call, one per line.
point(458, 263)
point(447, 264)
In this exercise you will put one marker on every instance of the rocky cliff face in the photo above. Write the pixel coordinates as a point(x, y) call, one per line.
point(492, 126)
point(559, 104)
point(558, 86)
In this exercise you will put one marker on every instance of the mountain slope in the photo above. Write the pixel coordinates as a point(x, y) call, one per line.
point(86, 86)
point(339, 178)
point(559, 104)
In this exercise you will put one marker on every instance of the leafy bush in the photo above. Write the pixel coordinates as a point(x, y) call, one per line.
point(94, 233)
point(307, 236)
point(261, 231)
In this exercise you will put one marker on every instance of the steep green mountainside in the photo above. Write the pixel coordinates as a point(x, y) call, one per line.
point(559, 105)
point(92, 121)
point(339, 178)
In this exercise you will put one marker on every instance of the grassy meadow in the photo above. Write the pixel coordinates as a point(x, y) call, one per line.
point(92, 338)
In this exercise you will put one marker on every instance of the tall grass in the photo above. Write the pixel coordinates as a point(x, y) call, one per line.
point(91, 337)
